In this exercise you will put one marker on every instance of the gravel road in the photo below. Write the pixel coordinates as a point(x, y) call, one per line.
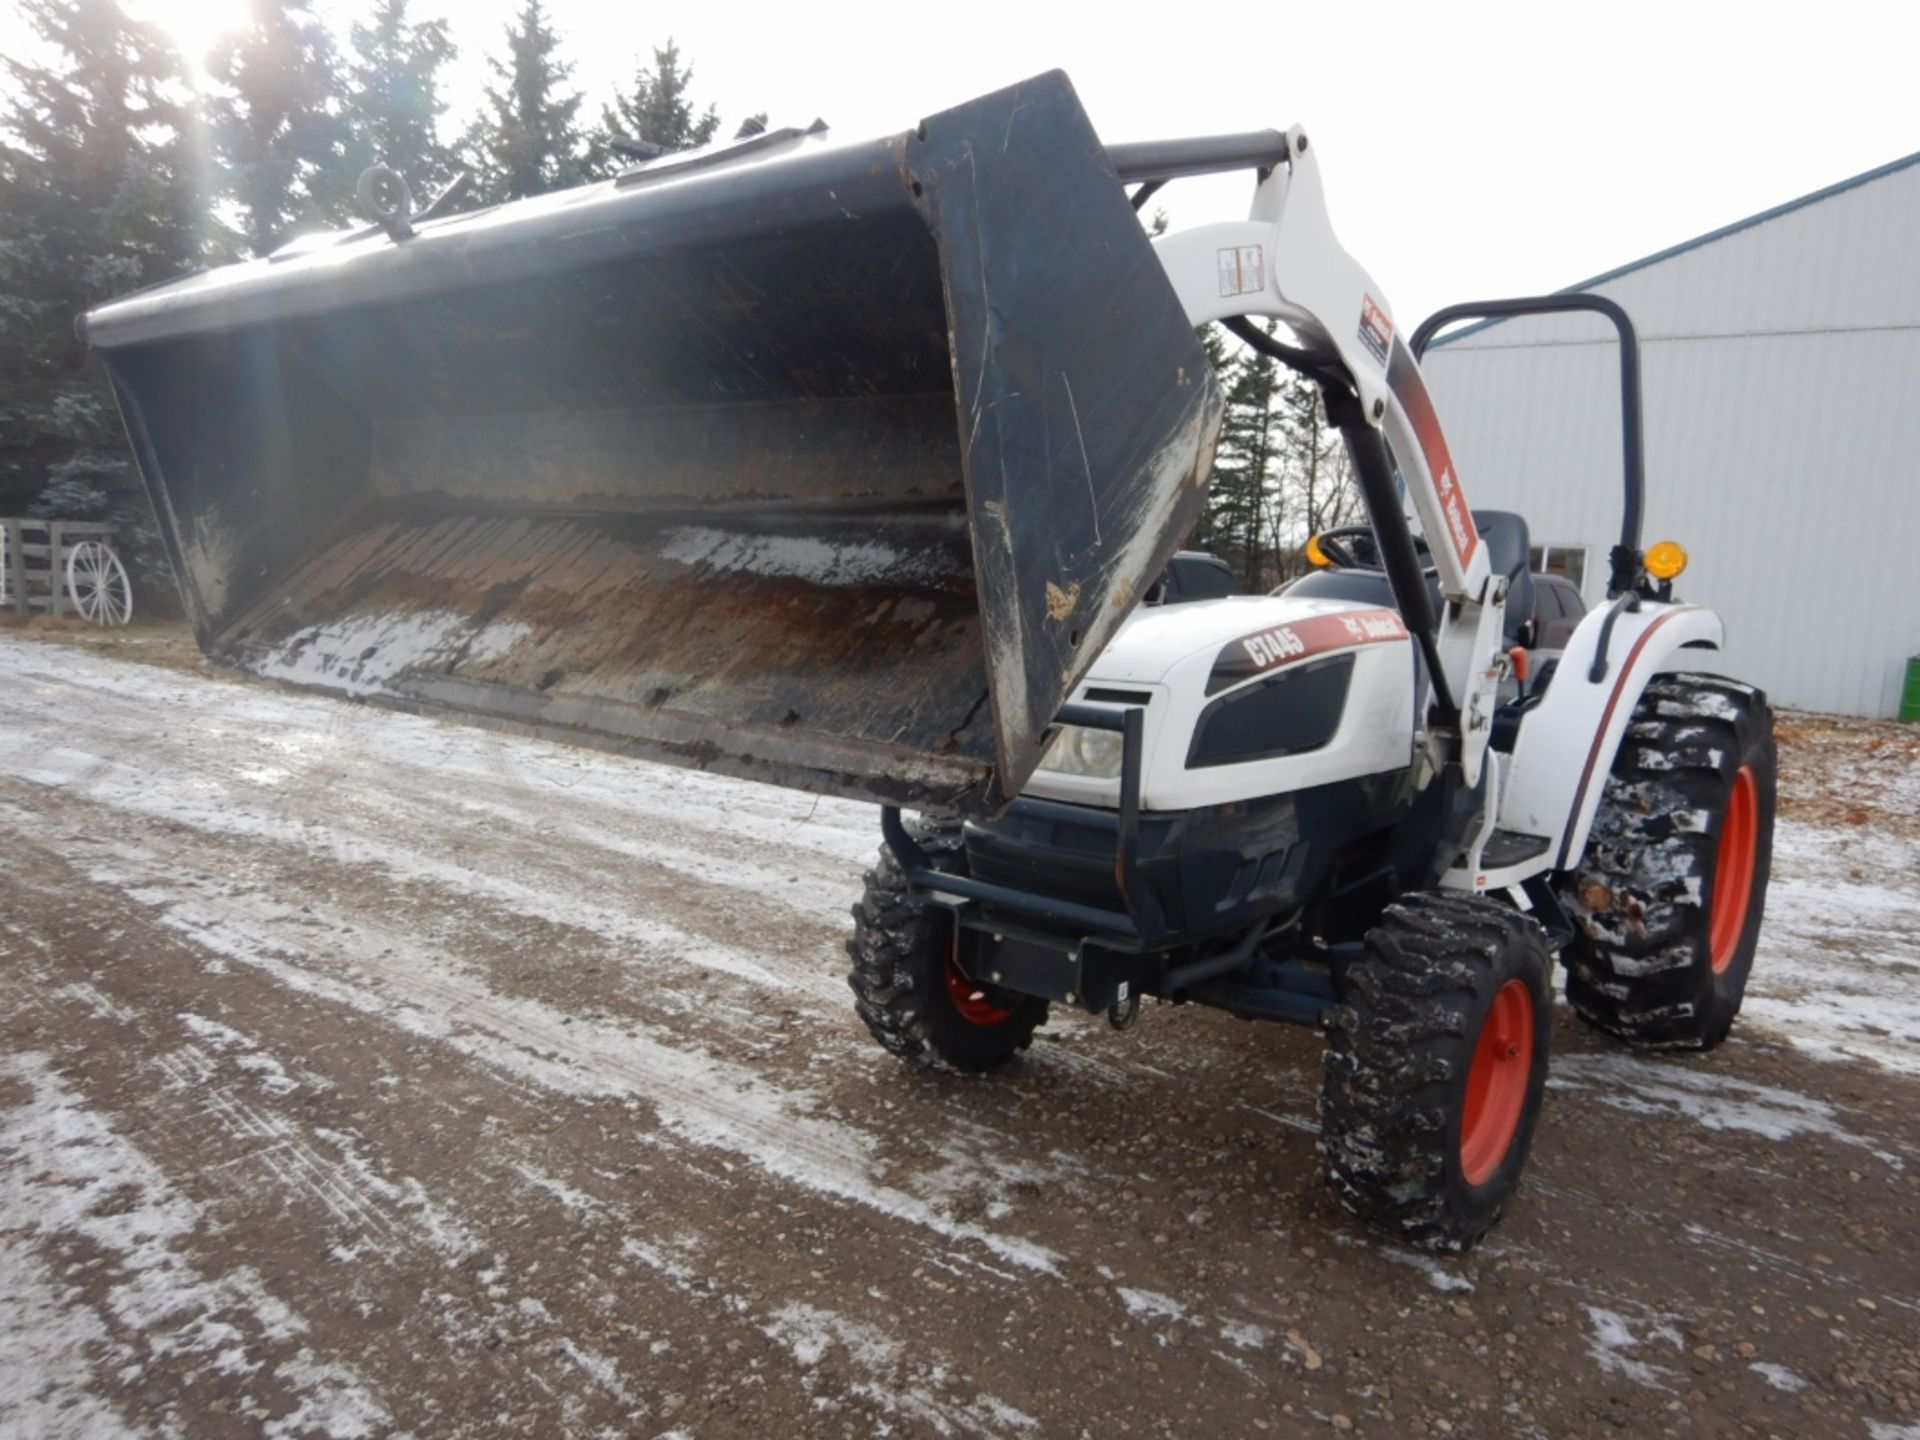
point(362, 1075)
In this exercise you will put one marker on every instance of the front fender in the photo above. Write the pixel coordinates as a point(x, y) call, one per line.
point(1567, 742)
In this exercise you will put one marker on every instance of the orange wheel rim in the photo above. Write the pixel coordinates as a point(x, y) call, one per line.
point(971, 1000)
point(1733, 871)
point(1497, 1083)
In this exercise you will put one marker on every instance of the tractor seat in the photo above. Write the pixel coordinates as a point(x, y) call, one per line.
point(1509, 550)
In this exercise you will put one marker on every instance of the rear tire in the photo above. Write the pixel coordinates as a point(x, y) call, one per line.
point(907, 982)
point(1668, 899)
point(1436, 1067)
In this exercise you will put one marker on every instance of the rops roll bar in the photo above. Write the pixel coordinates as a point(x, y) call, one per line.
point(1629, 564)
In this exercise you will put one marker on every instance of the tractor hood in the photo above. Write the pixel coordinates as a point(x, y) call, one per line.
point(1245, 634)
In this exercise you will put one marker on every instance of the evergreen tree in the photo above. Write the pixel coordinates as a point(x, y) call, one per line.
point(527, 139)
point(1318, 473)
point(393, 96)
point(659, 109)
point(1245, 501)
point(1245, 520)
point(1279, 473)
point(278, 124)
point(99, 194)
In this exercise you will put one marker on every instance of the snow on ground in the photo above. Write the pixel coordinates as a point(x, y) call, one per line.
point(1841, 949)
point(810, 1334)
point(64, 1173)
point(1440, 1276)
point(1716, 1102)
point(1616, 1343)
point(1778, 1376)
point(47, 1378)
point(452, 889)
point(703, 1098)
point(1838, 970)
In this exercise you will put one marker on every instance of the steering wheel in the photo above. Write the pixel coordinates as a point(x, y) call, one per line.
point(1333, 544)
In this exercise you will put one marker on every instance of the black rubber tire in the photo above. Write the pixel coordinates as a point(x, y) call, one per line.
point(900, 953)
point(1401, 1048)
point(1640, 966)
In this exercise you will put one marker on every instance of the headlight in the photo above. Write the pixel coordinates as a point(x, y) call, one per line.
point(1076, 750)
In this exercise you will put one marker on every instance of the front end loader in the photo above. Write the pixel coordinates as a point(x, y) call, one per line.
point(847, 466)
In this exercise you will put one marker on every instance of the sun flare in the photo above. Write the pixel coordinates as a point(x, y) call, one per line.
point(195, 26)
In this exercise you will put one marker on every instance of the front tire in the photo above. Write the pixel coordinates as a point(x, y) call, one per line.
point(1668, 899)
point(1436, 1067)
point(908, 982)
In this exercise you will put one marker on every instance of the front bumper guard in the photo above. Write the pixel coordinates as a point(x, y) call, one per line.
point(1133, 929)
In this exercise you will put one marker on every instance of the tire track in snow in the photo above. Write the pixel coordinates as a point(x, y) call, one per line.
point(71, 1176)
point(393, 775)
point(885, 1371)
point(275, 1147)
point(703, 1099)
point(314, 748)
point(130, 799)
point(362, 1202)
point(405, 1233)
point(231, 895)
point(117, 788)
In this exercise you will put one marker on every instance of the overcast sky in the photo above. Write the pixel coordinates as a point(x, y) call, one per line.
point(1468, 150)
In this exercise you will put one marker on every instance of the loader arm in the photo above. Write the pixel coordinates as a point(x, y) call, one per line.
point(1284, 262)
point(828, 462)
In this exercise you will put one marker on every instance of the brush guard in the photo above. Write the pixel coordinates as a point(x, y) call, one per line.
point(1138, 925)
point(1098, 959)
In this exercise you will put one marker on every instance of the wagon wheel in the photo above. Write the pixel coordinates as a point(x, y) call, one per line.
point(97, 583)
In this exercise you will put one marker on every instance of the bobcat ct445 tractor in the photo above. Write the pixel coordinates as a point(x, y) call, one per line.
point(846, 464)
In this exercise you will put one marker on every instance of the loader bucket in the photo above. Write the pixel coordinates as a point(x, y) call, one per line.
point(831, 464)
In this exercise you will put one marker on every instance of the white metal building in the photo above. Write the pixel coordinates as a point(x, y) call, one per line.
point(1782, 388)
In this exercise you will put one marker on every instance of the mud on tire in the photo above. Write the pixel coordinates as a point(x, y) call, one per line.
point(907, 983)
point(1667, 901)
point(1435, 1068)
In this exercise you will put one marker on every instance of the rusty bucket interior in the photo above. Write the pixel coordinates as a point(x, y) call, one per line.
point(832, 464)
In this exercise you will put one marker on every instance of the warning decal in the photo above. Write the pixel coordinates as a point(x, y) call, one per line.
point(1403, 378)
point(1376, 329)
point(1243, 270)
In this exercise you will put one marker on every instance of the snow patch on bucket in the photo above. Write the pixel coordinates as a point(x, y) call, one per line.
point(367, 654)
point(789, 557)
